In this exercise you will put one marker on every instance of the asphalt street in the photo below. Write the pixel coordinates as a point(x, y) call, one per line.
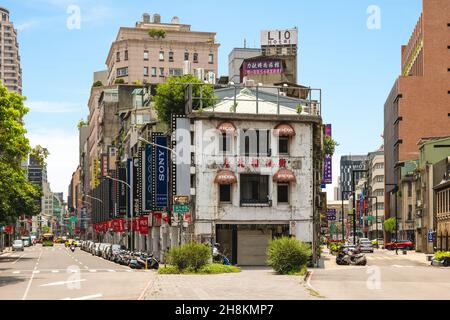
point(386, 276)
point(42, 273)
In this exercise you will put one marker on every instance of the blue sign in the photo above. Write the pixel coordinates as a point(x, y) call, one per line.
point(148, 178)
point(430, 235)
point(162, 173)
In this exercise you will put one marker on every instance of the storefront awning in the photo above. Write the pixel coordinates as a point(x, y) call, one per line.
point(226, 127)
point(225, 177)
point(284, 176)
point(284, 130)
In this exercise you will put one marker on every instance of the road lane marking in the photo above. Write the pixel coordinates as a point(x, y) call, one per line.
point(19, 258)
point(36, 271)
point(92, 270)
point(85, 297)
point(16, 272)
point(31, 280)
point(111, 270)
point(55, 271)
point(60, 283)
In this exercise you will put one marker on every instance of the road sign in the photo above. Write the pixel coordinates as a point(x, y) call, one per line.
point(181, 208)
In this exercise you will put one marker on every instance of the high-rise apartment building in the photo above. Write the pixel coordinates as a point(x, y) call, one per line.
point(418, 105)
point(10, 70)
point(152, 51)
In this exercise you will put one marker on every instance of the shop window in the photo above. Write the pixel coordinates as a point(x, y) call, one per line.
point(283, 145)
point(255, 142)
point(225, 193)
point(254, 189)
point(225, 143)
point(283, 193)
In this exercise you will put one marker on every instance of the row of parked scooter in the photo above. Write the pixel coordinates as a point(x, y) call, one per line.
point(119, 254)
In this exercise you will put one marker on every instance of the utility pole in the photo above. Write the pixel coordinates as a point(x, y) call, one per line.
point(354, 201)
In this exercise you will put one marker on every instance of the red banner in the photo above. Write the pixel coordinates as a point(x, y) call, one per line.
point(143, 225)
point(9, 229)
point(110, 224)
point(119, 225)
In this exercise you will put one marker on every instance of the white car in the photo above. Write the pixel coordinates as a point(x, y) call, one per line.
point(17, 245)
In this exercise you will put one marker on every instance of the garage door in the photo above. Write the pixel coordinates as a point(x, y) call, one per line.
point(252, 247)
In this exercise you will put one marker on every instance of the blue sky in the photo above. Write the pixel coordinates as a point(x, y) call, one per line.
point(354, 66)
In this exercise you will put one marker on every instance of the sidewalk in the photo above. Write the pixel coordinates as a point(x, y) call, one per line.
point(410, 255)
point(6, 250)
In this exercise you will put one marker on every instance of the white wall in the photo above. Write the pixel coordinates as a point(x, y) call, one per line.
point(299, 161)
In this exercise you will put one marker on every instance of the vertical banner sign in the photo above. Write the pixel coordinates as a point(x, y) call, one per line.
point(122, 192)
point(162, 173)
point(328, 162)
point(130, 182)
point(135, 186)
point(148, 178)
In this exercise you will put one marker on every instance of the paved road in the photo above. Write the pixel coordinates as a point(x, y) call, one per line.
point(386, 276)
point(257, 283)
point(54, 273)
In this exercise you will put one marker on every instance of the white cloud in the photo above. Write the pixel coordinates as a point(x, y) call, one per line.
point(54, 107)
point(63, 158)
point(28, 25)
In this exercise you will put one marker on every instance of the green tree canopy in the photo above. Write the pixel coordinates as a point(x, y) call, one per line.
point(329, 145)
point(390, 224)
point(170, 96)
point(17, 196)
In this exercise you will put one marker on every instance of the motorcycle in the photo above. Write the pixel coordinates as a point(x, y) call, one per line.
point(134, 263)
point(348, 258)
point(72, 248)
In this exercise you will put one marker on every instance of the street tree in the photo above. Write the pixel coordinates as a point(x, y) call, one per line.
point(170, 96)
point(18, 196)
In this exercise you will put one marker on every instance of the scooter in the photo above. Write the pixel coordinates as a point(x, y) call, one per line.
point(134, 263)
point(348, 258)
point(72, 248)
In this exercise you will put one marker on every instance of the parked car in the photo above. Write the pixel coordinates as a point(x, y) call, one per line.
point(18, 245)
point(106, 247)
point(96, 249)
point(91, 247)
point(365, 245)
point(401, 244)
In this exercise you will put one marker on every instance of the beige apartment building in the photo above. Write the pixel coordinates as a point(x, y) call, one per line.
point(10, 71)
point(137, 56)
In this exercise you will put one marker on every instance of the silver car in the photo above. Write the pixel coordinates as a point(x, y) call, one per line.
point(17, 245)
point(365, 246)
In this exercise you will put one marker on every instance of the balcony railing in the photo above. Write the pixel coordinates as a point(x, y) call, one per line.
point(259, 99)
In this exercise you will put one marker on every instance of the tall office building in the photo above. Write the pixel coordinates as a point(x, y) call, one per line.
point(10, 70)
point(418, 105)
point(349, 163)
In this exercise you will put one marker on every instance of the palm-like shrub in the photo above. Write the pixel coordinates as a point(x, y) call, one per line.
point(288, 255)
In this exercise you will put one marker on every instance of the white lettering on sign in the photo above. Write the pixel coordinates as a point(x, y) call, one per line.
point(279, 37)
point(161, 166)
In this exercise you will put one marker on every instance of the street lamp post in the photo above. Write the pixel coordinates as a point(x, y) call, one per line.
point(376, 214)
point(93, 198)
point(343, 192)
point(354, 201)
point(396, 222)
point(175, 154)
point(130, 223)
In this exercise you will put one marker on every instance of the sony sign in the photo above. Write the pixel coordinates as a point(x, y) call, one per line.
point(279, 37)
